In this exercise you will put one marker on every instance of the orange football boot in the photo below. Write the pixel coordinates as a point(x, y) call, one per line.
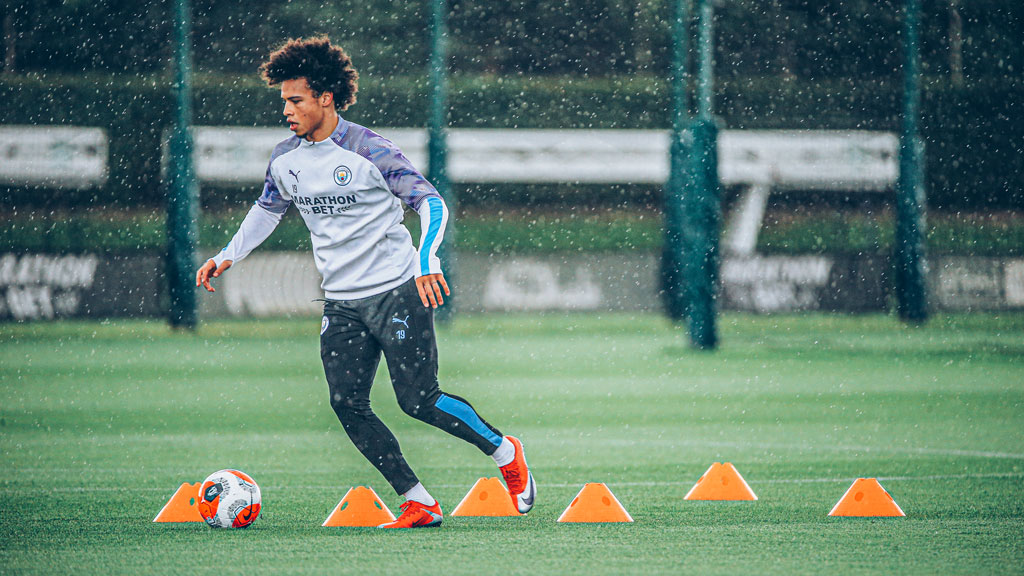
point(519, 479)
point(416, 515)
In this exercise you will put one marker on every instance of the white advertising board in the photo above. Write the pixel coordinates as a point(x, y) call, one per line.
point(797, 159)
point(53, 156)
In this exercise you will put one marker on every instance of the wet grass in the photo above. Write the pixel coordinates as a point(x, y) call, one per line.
point(100, 422)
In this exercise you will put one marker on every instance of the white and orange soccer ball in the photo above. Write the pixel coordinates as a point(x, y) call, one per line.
point(229, 499)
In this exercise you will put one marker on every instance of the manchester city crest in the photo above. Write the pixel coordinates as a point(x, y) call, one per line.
point(342, 175)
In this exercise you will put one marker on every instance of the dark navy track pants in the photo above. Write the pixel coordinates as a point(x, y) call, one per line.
point(353, 335)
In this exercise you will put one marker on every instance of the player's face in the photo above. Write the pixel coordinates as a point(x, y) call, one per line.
point(306, 113)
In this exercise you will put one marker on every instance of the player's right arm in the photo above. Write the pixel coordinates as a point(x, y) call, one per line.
point(257, 226)
point(209, 270)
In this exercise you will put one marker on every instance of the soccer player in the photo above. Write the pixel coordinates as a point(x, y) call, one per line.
point(348, 184)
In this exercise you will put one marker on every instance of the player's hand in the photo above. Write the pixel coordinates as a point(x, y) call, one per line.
point(210, 270)
point(430, 287)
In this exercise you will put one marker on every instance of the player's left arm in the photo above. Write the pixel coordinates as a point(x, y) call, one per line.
point(430, 280)
point(406, 182)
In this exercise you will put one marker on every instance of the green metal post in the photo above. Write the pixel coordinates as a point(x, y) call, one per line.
point(437, 145)
point(701, 207)
point(909, 257)
point(182, 191)
point(672, 265)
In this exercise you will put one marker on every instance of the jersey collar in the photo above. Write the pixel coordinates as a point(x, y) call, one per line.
point(337, 135)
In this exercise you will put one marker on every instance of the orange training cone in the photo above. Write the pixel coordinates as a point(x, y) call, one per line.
point(595, 503)
point(183, 506)
point(361, 507)
point(721, 482)
point(488, 497)
point(866, 497)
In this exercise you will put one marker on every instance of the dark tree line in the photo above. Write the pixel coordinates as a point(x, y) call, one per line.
point(789, 39)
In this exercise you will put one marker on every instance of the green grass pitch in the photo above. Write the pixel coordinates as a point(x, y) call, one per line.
point(100, 423)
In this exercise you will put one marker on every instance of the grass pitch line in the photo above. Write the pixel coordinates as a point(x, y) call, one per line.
point(180, 438)
point(832, 448)
point(651, 484)
point(655, 483)
point(983, 476)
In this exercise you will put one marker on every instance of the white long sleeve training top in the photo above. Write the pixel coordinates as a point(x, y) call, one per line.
point(349, 191)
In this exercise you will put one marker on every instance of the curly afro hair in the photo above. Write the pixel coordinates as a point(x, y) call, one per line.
point(326, 68)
